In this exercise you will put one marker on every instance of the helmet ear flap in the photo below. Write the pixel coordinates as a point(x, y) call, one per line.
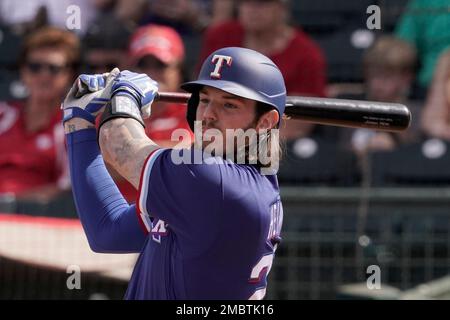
point(191, 112)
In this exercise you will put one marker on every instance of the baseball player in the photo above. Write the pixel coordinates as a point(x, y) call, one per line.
point(203, 231)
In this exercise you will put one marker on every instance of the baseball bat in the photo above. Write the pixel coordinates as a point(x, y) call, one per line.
point(336, 112)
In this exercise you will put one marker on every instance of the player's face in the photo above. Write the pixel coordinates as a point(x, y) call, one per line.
point(220, 110)
point(46, 74)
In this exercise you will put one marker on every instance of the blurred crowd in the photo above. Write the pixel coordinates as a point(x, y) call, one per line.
point(407, 61)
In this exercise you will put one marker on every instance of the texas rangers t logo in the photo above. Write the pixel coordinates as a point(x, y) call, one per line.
point(219, 59)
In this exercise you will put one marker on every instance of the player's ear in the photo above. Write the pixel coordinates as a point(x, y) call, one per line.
point(268, 120)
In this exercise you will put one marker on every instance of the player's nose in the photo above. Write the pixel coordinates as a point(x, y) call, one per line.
point(209, 112)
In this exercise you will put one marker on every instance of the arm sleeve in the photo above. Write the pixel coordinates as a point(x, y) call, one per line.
point(188, 197)
point(110, 224)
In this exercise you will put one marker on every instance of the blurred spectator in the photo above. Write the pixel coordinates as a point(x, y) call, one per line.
point(188, 16)
point(33, 163)
point(426, 25)
point(389, 66)
point(131, 10)
point(221, 11)
point(105, 44)
point(389, 69)
point(436, 113)
point(159, 52)
point(26, 17)
point(104, 6)
point(262, 25)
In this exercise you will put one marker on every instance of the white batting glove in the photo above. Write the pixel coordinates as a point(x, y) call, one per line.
point(88, 96)
point(137, 86)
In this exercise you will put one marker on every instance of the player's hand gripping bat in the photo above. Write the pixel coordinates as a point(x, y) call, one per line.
point(336, 112)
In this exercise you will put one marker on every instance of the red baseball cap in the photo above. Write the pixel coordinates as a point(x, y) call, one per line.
point(160, 41)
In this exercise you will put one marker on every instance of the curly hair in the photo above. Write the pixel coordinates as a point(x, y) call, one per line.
point(52, 37)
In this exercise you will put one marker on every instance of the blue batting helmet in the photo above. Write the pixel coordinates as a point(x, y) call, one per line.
point(242, 72)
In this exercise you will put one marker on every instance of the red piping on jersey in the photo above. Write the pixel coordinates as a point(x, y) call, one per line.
point(138, 208)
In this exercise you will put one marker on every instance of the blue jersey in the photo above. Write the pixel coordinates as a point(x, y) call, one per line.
point(212, 230)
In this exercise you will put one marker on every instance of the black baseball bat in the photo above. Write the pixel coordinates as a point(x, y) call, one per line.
point(336, 112)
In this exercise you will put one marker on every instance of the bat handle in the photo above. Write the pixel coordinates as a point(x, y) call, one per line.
point(173, 97)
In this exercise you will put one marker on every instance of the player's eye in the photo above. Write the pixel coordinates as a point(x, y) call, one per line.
point(230, 106)
point(204, 100)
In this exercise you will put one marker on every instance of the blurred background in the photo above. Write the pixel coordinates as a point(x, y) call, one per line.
point(353, 198)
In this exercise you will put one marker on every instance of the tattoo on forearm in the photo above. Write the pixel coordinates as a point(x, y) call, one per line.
point(122, 142)
point(122, 152)
point(72, 128)
point(135, 130)
point(124, 149)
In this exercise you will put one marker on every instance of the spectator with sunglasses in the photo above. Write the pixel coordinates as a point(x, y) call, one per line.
point(158, 51)
point(33, 163)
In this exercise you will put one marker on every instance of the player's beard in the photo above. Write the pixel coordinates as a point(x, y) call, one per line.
point(228, 151)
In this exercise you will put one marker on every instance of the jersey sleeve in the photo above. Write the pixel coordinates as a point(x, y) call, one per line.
point(186, 196)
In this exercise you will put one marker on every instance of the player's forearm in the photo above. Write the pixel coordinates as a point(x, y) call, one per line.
point(125, 146)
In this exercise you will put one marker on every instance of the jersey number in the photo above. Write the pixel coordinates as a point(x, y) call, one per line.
point(259, 273)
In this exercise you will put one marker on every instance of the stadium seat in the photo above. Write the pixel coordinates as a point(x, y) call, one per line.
point(317, 16)
point(9, 47)
point(314, 161)
point(419, 164)
point(343, 52)
point(192, 44)
point(10, 86)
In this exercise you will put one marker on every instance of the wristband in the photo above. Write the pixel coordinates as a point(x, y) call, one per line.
point(121, 106)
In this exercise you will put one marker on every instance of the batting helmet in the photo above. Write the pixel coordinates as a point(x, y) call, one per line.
point(242, 72)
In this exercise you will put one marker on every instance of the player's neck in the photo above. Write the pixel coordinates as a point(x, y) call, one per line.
point(270, 40)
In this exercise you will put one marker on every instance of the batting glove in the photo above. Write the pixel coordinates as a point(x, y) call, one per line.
point(137, 86)
point(88, 96)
